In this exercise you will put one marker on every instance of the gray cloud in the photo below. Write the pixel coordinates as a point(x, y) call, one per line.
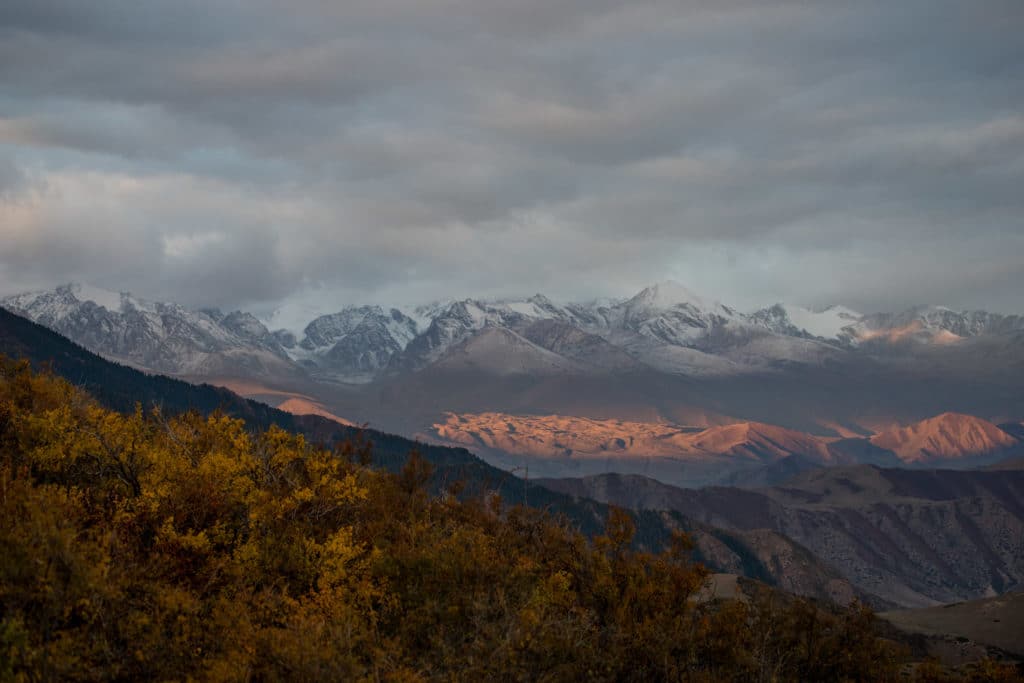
point(238, 155)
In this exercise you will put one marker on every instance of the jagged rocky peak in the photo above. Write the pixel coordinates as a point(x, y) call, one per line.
point(670, 297)
point(248, 326)
point(326, 330)
point(63, 300)
point(353, 345)
point(669, 313)
point(165, 337)
point(774, 318)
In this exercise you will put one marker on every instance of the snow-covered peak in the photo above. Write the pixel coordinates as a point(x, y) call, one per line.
point(25, 301)
point(670, 294)
point(59, 302)
point(115, 302)
point(53, 306)
point(537, 307)
point(424, 314)
point(665, 313)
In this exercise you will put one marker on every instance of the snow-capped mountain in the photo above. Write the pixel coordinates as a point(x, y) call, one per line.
point(933, 324)
point(669, 328)
point(354, 344)
point(936, 325)
point(664, 328)
point(673, 314)
point(160, 336)
point(461, 320)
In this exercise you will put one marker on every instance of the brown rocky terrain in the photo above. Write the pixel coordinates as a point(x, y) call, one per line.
point(913, 537)
point(771, 557)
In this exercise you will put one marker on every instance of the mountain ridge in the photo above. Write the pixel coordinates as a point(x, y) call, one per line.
point(946, 437)
point(665, 354)
point(914, 537)
point(738, 451)
point(665, 326)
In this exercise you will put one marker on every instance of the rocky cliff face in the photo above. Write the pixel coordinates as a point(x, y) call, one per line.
point(355, 344)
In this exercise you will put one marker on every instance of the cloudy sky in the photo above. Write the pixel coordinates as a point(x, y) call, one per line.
point(234, 153)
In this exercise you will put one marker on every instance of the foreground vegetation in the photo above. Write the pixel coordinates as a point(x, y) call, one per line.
point(134, 546)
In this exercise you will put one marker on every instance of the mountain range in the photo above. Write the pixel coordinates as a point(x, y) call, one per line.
point(665, 383)
point(887, 536)
point(740, 453)
point(664, 327)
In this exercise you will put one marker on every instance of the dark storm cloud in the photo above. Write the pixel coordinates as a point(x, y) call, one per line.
point(230, 153)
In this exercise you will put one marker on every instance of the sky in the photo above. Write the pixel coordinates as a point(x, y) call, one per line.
point(314, 152)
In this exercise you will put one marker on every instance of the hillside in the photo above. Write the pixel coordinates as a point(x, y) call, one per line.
point(912, 537)
point(996, 621)
point(946, 438)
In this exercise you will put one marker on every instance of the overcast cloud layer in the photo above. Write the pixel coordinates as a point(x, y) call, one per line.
point(241, 154)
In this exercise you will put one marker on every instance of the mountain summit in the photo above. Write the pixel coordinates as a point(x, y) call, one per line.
point(945, 439)
point(669, 294)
